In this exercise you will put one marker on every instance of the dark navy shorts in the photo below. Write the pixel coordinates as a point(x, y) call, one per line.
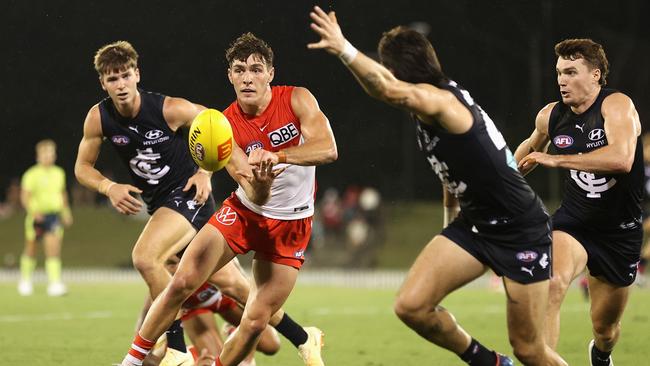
point(613, 254)
point(525, 263)
point(50, 223)
point(183, 203)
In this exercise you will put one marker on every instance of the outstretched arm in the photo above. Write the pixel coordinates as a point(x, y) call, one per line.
point(376, 80)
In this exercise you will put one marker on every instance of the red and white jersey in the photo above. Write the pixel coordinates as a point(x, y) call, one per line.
point(277, 128)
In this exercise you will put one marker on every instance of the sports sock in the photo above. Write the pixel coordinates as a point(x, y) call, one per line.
point(27, 266)
point(599, 358)
point(291, 331)
point(53, 269)
point(140, 348)
point(175, 337)
point(477, 355)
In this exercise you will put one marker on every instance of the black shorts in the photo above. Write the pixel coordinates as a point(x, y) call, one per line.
point(525, 263)
point(183, 203)
point(613, 253)
point(49, 223)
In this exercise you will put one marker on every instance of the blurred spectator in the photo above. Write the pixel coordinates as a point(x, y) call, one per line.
point(352, 227)
point(12, 199)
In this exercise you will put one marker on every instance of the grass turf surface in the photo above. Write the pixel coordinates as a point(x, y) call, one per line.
point(93, 325)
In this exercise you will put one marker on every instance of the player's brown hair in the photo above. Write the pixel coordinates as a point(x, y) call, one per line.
point(115, 57)
point(410, 56)
point(248, 44)
point(588, 50)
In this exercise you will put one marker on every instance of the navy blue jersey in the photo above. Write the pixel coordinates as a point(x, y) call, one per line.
point(479, 169)
point(605, 200)
point(157, 158)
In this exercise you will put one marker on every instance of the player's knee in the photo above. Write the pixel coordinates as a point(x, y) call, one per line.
point(253, 326)
point(145, 264)
point(606, 332)
point(527, 351)
point(183, 285)
point(411, 310)
point(558, 286)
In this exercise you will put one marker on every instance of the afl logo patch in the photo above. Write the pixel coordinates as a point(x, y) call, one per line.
point(120, 140)
point(527, 256)
point(563, 141)
point(199, 151)
point(596, 134)
point(153, 134)
point(253, 146)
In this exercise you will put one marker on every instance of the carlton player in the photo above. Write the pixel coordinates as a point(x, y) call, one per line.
point(502, 223)
point(281, 126)
point(595, 133)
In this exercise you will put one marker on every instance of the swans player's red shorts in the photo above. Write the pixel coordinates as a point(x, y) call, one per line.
point(278, 241)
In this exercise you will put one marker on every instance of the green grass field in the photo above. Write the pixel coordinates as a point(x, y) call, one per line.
point(93, 325)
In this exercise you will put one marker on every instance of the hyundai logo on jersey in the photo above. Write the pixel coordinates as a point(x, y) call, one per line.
point(596, 134)
point(153, 134)
point(563, 141)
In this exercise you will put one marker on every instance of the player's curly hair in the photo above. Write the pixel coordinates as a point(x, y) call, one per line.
point(410, 56)
point(117, 56)
point(248, 44)
point(588, 50)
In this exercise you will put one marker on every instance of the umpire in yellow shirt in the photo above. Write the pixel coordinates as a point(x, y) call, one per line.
point(44, 197)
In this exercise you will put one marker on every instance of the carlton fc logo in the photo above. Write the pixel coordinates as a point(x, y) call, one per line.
point(563, 141)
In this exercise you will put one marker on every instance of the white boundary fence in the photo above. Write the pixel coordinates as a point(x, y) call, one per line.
point(380, 279)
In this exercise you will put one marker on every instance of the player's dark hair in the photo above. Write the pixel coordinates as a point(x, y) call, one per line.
point(115, 57)
point(410, 56)
point(588, 50)
point(248, 44)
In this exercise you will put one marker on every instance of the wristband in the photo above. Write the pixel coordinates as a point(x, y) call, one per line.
point(349, 53)
point(282, 157)
point(107, 183)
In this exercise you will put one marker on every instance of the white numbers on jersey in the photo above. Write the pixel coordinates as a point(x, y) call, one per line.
point(592, 185)
point(145, 165)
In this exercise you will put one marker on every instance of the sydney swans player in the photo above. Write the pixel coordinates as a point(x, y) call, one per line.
point(280, 126)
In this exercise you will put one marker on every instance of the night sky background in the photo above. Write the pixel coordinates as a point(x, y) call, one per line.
point(501, 51)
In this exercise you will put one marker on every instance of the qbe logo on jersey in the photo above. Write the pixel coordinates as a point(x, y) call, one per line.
point(283, 134)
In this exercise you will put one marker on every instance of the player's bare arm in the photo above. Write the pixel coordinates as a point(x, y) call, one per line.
point(255, 180)
point(179, 113)
point(424, 100)
point(622, 127)
point(90, 177)
point(537, 142)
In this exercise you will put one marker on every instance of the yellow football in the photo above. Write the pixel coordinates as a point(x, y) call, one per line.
point(210, 140)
